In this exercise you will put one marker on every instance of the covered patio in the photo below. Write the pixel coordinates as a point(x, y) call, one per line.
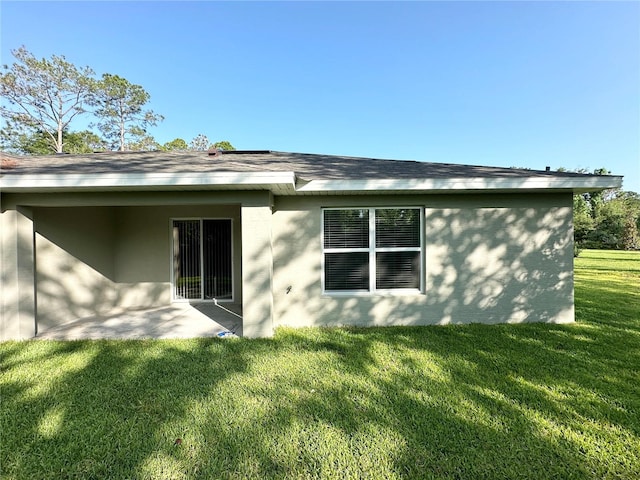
point(178, 320)
point(122, 265)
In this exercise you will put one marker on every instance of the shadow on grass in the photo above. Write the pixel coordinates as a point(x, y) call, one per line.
point(97, 408)
point(474, 401)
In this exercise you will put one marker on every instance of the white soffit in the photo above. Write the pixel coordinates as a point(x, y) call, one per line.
point(577, 184)
point(148, 181)
point(285, 183)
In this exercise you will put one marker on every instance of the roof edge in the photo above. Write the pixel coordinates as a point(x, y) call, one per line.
point(289, 183)
point(132, 181)
point(575, 184)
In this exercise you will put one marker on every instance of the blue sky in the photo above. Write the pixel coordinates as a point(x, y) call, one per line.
point(525, 84)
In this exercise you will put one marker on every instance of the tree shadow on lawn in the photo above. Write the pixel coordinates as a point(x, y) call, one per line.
point(474, 401)
point(537, 398)
point(471, 412)
point(104, 416)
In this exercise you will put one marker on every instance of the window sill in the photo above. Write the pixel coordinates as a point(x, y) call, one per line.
point(377, 293)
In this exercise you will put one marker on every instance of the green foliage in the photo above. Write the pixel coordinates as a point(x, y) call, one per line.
point(224, 145)
point(468, 401)
point(201, 143)
point(122, 119)
point(16, 139)
point(39, 143)
point(83, 142)
point(141, 142)
point(607, 219)
point(630, 235)
point(44, 95)
point(582, 219)
point(177, 144)
point(612, 222)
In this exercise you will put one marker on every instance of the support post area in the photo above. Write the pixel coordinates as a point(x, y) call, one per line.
point(17, 286)
point(257, 267)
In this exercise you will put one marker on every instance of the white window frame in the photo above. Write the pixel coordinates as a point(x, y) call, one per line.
point(372, 249)
point(174, 299)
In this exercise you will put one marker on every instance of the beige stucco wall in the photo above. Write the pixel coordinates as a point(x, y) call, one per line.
point(90, 260)
point(488, 259)
point(74, 263)
point(257, 270)
point(17, 294)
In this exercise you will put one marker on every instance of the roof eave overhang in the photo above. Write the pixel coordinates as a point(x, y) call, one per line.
point(462, 185)
point(286, 183)
point(275, 181)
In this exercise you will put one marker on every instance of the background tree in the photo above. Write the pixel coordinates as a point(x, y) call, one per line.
point(631, 235)
point(224, 145)
point(122, 119)
point(582, 220)
point(200, 143)
point(140, 141)
point(44, 95)
point(609, 219)
point(37, 142)
point(25, 141)
point(85, 141)
point(177, 144)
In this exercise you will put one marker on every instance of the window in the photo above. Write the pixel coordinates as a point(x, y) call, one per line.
point(372, 249)
point(202, 257)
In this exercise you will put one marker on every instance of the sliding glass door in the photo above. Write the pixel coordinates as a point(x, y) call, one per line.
point(202, 259)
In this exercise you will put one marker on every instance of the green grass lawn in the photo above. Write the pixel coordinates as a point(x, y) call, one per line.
point(466, 402)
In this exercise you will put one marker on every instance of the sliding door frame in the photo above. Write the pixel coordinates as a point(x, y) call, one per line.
point(172, 269)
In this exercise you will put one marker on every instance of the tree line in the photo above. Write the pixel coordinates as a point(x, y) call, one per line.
point(42, 98)
point(609, 219)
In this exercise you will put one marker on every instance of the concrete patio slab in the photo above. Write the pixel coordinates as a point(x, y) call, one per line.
point(180, 320)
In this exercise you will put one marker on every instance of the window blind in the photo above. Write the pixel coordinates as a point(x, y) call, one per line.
point(346, 271)
point(346, 228)
point(397, 270)
point(397, 227)
point(186, 258)
point(216, 241)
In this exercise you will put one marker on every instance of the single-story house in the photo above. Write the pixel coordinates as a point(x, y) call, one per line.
point(286, 238)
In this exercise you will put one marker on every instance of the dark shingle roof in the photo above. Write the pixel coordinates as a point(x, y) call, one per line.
point(305, 166)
